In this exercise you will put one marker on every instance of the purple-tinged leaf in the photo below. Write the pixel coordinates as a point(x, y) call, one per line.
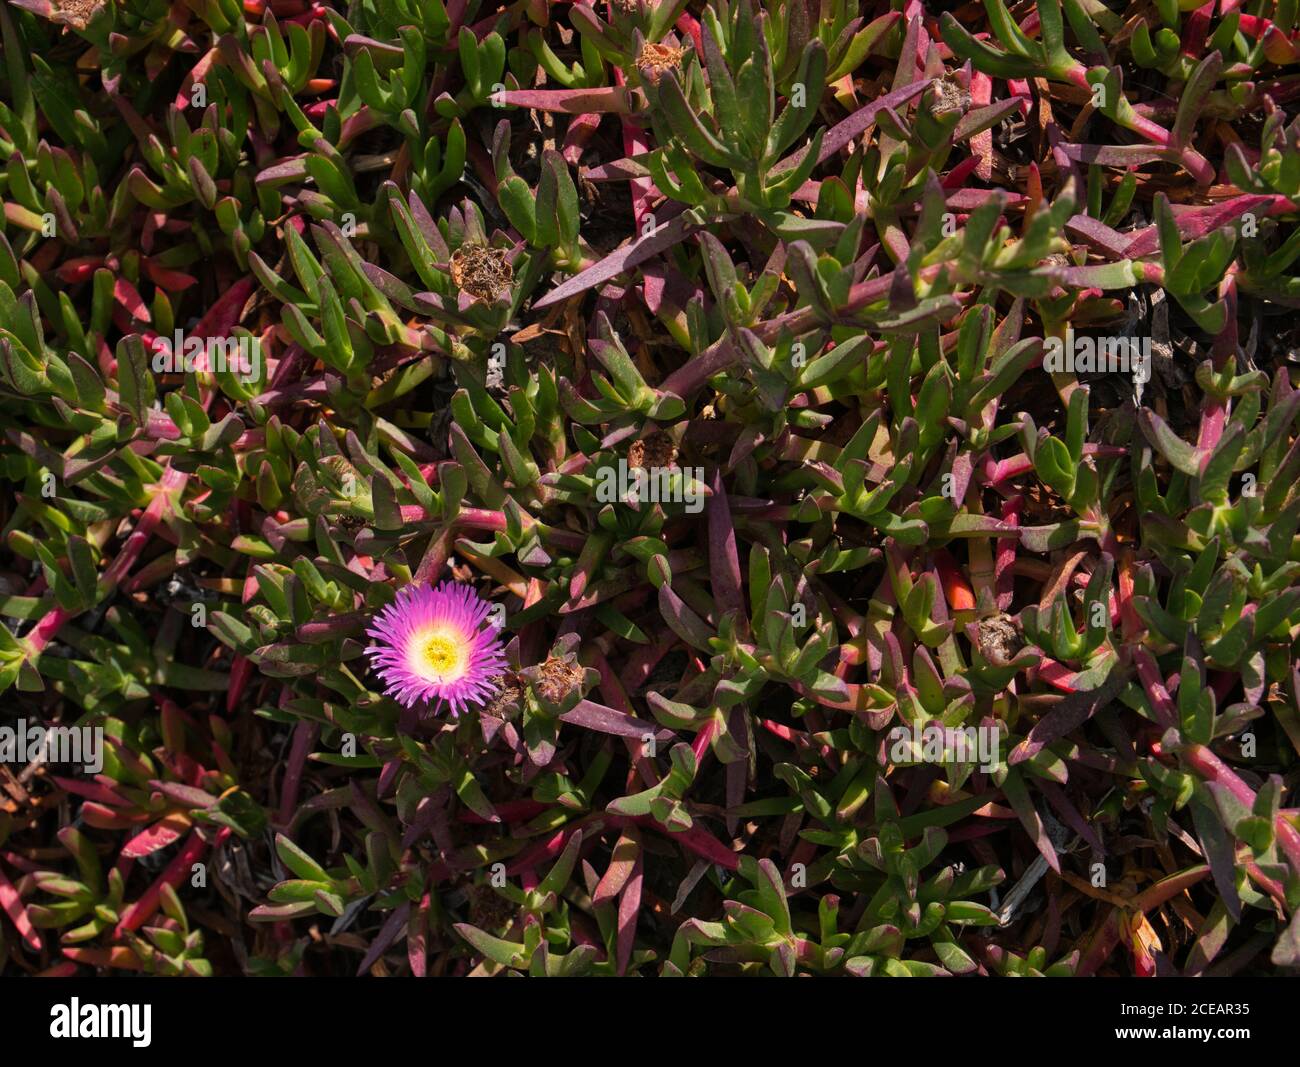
point(623, 259)
point(605, 720)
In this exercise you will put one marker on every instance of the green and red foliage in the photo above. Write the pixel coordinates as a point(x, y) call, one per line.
point(807, 261)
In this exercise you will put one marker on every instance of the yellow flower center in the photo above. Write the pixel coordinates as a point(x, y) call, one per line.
point(441, 655)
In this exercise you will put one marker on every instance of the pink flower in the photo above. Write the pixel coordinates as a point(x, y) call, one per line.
point(436, 644)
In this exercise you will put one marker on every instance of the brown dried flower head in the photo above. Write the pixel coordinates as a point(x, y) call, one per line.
point(654, 59)
point(655, 450)
point(77, 13)
point(483, 272)
point(950, 95)
point(560, 676)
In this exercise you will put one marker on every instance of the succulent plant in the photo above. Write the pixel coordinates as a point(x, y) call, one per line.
point(753, 381)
